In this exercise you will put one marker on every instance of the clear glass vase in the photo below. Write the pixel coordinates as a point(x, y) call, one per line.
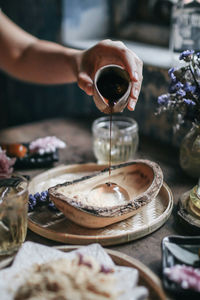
point(190, 152)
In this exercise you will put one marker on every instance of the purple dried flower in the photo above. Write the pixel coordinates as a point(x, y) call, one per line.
point(181, 93)
point(163, 99)
point(37, 196)
point(189, 102)
point(184, 89)
point(39, 199)
point(186, 55)
point(188, 88)
point(175, 87)
point(172, 88)
point(171, 74)
point(178, 85)
point(32, 200)
point(52, 206)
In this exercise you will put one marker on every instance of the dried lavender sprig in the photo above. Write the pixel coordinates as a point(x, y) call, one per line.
point(184, 90)
point(187, 55)
point(193, 75)
point(39, 199)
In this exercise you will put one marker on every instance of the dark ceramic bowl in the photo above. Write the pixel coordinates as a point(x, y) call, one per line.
point(171, 258)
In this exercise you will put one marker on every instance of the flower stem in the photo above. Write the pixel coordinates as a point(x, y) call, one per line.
point(193, 75)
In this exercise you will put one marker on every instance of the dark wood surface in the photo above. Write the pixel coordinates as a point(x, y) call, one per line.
point(77, 134)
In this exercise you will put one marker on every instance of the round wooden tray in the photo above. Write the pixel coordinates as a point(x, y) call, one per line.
point(146, 277)
point(56, 227)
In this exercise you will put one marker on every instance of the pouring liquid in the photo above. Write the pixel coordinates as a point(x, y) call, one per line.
point(109, 194)
point(112, 87)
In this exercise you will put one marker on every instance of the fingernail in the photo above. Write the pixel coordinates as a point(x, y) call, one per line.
point(136, 76)
point(89, 89)
point(89, 85)
point(132, 104)
point(135, 93)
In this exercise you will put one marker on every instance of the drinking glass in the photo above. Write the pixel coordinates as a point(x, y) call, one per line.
point(13, 213)
point(124, 139)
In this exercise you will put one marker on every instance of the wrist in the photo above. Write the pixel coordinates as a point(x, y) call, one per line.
point(76, 61)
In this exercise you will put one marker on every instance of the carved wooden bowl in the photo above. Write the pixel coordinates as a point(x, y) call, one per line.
point(141, 179)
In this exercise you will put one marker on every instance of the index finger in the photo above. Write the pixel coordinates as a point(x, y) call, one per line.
point(132, 63)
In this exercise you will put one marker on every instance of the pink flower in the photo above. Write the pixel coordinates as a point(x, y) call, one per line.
point(45, 145)
point(6, 164)
point(188, 277)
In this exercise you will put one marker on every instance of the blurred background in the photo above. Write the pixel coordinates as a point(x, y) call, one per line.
point(143, 25)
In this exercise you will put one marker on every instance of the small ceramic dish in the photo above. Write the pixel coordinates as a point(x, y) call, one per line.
point(180, 250)
point(140, 179)
point(27, 160)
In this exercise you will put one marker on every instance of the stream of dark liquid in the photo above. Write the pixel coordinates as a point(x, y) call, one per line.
point(112, 87)
point(110, 156)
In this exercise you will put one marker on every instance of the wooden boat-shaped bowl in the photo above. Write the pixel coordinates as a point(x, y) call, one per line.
point(142, 179)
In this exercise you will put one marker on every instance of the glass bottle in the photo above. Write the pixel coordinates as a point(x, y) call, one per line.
point(185, 27)
point(190, 152)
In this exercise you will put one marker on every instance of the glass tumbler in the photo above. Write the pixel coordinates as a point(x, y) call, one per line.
point(124, 139)
point(13, 213)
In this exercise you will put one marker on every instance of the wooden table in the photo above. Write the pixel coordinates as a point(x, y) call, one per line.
point(77, 135)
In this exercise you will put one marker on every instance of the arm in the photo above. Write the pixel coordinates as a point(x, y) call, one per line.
point(28, 58)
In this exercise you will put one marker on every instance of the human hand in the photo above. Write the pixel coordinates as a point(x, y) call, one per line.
point(110, 52)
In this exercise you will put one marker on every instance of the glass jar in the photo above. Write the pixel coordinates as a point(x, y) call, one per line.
point(190, 152)
point(194, 203)
point(124, 139)
point(13, 213)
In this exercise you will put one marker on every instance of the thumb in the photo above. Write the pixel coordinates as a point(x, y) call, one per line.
point(85, 83)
